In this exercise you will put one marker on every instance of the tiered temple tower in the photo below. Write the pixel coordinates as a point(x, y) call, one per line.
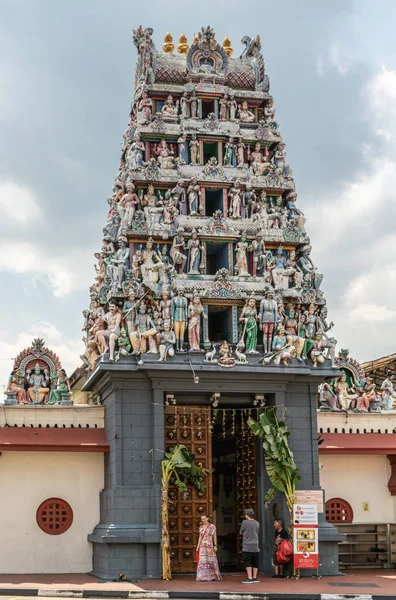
point(205, 295)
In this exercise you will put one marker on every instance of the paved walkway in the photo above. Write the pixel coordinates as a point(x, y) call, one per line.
point(368, 584)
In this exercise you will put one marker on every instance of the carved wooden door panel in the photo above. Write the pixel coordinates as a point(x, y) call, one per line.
point(246, 477)
point(191, 426)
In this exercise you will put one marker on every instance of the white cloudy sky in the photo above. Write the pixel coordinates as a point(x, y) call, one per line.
point(66, 82)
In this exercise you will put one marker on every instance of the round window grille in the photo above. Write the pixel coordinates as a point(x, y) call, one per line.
point(338, 511)
point(54, 516)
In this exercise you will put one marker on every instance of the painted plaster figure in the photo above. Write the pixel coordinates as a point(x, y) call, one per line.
point(107, 338)
point(194, 196)
point(16, 384)
point(249, 320)
point(195, 312)
point(167, 342)
point(144, 333)
point(39, 384)
point(179, 318)
point(170, 109)
point(244, 114)
point(241, 250)
point(268, 319)
point(194, 149)
point(196, 250)
point(62, 387)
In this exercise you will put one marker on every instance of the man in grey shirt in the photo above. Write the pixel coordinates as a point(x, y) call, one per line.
point(250, 545)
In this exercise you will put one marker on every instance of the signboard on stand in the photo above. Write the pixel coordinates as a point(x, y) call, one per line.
point(310, 497)
point(306, 543)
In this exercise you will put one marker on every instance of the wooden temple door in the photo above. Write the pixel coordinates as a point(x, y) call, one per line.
point(246, 476)
point(190, 426)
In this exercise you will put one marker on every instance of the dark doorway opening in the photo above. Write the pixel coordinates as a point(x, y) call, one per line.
point(210, 150)
point(218, 323)
point(207, 108)
point(213, 201)
point(216, 258)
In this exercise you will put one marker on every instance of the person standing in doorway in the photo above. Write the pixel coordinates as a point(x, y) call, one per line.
point(280, 534)
point(249, 531)
point(207, 565)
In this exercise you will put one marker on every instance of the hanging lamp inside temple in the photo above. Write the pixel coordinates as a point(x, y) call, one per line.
point(183, 46)
point(227, 46)
point(168, 46)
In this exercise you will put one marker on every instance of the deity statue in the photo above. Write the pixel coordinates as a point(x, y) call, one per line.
point(120, 263)
point(225, 356)
point(16, 384)
point(259, 256)
point(194, 197)
point(151, 263)
point(308, 269)
point(280, 277)
point(135, 154)
point(183, 153)
point(165, 307)
point(184, 105)
point(317, 353)
point(245, 115)
point(153, 209)
point(367, 395)
point(62, 387)
point(193, 101)
point(96, 317)
point(223, 104)
point(240, 154)
point(196, 254)
point(177, 250)
point(145, 108)
point(259, 161)
point(113, 320)
point(179, 318)
point(282, 347)
point(291, 323)
point(249, 319)
point(388, 393)
point(167, 342)
point(127, 206)
point(129, 312)
point(170, 212)
point(230, 153)
point(164, 154)
point(170, 109)
point(279, 158)
point(194, 149)
point(38, 384)
point(343, 392)
point(269, 115)
point(124, 345)
point(235, 194)
point(294, 214)
point(241, 249)
point(144, 333)
point(195, 312)
point(268, 317)
point(311, 320)
point(233, 105)
point(249, 202)
point(179, 195)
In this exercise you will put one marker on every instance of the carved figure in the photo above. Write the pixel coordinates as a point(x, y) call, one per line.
point(145, 107)
point(62, 387)
point(210, 356)
point(167, 342)
point(244, 114)
point(249, 334)
point(135, 154)
point(170, 109)
point(279, 158)
point(144, 333)
point(195, 312)
point(183, 154)
point(127, 206)
point(194, 196)
point(38, 384)
point(249, 202)
point(241, 249)
point(184, 105)
point(196, 253)
point(233, 106)
point(388, 393)
point(194, 149)
point(240, 154)
point(179, 318)
point(282, 347)
point(259, 255)
point(111, 334)
point(240, 356)
point(119, 263)
point(179, 195)
point(225, 356)
point(268, 318)
point(151, 264)
point(269, 116)
point(164, 154)
point(342, 391)
point(177, 250)
point(223, 104)
point(193, 101)
point(258, 160)
point(124, 345)
point(16, 384)
point(230, 153)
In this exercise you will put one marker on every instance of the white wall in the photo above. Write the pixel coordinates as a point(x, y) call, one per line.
point(359, 479)
point(26, 480)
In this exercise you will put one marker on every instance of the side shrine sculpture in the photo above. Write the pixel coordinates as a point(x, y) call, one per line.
point(37, 378)
point(204, 245)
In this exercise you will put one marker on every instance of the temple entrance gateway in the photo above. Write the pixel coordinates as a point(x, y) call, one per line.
point(221, 439)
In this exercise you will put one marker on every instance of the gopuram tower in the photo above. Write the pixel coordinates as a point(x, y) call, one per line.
point(206, 307)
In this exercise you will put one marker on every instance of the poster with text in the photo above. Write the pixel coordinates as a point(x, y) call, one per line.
point(306, 544)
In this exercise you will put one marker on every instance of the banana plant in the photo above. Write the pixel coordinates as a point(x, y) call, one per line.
point(278, 458)
point(179, 467)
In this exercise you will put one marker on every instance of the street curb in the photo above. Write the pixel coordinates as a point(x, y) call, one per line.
point(183, 595)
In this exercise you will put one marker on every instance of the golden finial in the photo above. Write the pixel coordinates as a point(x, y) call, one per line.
point(168, 46)
point(196, 39)
point(227, 46)
point(183, 46)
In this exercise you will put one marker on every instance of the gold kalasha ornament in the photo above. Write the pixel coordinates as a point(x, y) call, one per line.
point(196, 39)
point(183, 46)
point(227, 46)
point(168, 46)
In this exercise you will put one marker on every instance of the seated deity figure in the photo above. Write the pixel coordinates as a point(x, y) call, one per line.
point(259, 161)
point(235, 194)
point(167, 342)
point(39, 384)
point(152, 207)
point(145, 108)
point(294, 214)
point(317, 353)
point(367, 395)
point(177, 250)
point(282, 347)
point(135, 154)
point(16, 384)
point(343, 392)
point(111, 334)
point(327, 397)
point(170, 109)
point(144, 333)
point(62, 387)
point(280, 275)
point(165, 155)
point(150, 264)
point(245, 115)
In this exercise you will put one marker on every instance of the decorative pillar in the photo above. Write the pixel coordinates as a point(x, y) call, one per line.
point(220, 152)
point(206, 340)
point(202, 202)
point(234, 317)
point(201, 154)
point(147, 154)
point(216, 108)
point(392, 479)
point(230, 258)
point(200, 108)
point(225, 202)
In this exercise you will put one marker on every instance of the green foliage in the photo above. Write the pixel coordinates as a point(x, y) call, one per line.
point(279, 461)
point(180, 464)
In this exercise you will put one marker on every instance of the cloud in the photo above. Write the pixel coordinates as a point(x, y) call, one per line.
point(339, 61)
point(319, 65)
point(62, 273)
point(68, 350)
point(18, 203)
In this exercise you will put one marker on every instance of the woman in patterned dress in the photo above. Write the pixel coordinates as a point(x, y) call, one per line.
point(207, 567)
